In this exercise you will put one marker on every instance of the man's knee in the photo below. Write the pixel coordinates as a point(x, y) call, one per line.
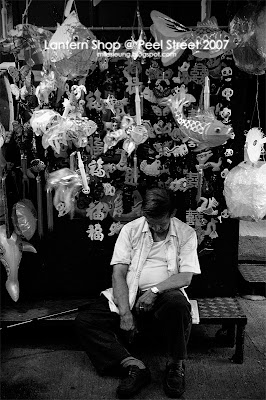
point(175, 304)
point(176, 299)
point(81, 320)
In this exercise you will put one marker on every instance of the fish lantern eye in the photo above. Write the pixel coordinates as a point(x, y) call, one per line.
point(75, 38)
point(218, 130)
point(226, 37)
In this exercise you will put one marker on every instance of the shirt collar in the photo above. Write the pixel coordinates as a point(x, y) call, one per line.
point(171, 232)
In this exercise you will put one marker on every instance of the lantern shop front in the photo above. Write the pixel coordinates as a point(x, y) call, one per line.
point(92, 117)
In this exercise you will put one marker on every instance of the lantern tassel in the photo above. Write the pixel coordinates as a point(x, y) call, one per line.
point(25, 179)
point(200, 181)
point(137, 101)
point(207, 93)
point(49, 209)
point(39, 205)
point(86, 188)
point(135, 174)
point(72, 161)
point(7, 224)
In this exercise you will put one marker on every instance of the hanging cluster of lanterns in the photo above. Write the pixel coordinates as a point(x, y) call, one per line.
point(102, 140)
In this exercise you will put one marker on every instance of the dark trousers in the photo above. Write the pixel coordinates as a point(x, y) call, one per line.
point(99, 330)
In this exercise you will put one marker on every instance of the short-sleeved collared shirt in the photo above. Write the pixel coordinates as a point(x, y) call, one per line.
point(133, 246)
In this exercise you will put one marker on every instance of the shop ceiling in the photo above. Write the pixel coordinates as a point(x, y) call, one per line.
point(112, 15)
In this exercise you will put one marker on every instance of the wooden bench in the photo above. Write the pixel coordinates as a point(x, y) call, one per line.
point(219, 310)
point(227, 312)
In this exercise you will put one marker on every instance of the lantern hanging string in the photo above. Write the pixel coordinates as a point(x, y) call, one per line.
point(25, 14)
point(256, 105)
point(67, 8)
point(256, 108)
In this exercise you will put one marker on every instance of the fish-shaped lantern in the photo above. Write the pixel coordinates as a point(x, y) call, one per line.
point(249, 26)
point(10, 256)
point(70, 51)
point(12, 245)
point(203, 128)
point(207, 40)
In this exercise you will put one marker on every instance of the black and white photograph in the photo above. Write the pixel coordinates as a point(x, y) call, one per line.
point(132, 199)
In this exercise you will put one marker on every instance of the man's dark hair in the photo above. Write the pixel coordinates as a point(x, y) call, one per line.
point(158, 202)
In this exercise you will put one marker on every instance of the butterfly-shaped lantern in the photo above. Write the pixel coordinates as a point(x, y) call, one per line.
point(27, 42)
point(22, 81)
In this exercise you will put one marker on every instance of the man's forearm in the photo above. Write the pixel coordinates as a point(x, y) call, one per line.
point(120, 290)
point(176, 281)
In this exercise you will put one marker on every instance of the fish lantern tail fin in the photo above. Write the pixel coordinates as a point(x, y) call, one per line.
point(28, 247)
point(12, 288)
point(177, 101)
point(180, 100)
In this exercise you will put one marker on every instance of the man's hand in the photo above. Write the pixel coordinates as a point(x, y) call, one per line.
point(127, 322)
point(146, 301)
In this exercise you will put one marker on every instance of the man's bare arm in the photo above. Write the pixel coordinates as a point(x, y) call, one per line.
point(176, 281)
point(121, 297)
point(120, 288)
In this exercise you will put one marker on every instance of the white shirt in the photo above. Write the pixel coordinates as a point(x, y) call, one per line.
point(133, 246)
point(154, 270)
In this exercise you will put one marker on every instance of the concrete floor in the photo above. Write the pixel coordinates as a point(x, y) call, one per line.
point(46, 362)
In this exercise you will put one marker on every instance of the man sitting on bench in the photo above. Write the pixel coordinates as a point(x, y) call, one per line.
point(154, 259)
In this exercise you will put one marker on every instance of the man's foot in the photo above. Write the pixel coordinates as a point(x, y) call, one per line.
point(134, 380)
point(174, 380)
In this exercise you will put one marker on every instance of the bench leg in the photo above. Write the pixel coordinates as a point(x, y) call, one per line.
point(231, 335)
point(238, 357)
point(226, 335)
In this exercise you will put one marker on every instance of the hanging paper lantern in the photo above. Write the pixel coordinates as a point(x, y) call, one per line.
point(245, 191)
point(66, 184)
point(70, 51)
point(10, 256)
point(249, 27)
point(24, 219)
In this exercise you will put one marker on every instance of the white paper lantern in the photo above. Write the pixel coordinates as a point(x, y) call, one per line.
point(245, 191)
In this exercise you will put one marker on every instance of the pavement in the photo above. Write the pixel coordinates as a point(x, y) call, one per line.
point(45, 361)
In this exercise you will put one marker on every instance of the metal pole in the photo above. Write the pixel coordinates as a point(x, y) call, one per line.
point(40, 318)
point(120, 28)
